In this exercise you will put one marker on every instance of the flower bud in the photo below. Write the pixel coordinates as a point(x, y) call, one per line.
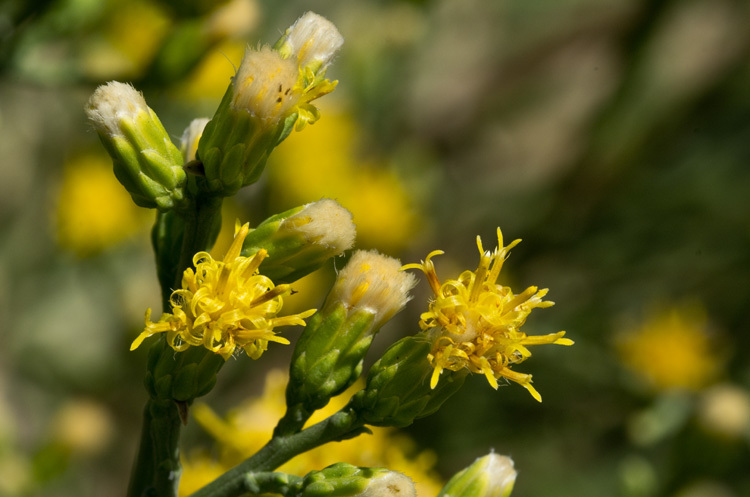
point(374, 284)
point(270, 93)
point(312, 40)
point(398, 385)
point(145, 160)
point(301, 240)
point(190, 138)
point(328, 356)
point(489, 476)
point(389, 484)
point(342, 479)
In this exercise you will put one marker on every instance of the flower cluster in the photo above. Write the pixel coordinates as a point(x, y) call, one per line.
point(475, 322)
point(224, 305)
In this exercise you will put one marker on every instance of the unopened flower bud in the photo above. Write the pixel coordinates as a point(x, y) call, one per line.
point(269, 95)
point(489, 476)
point(301, 240)
point(389, 484)
point(345, 480)
point(398, 385)
point(145, 160)
point(328, 356)
point(374, 284)
point(312, 40)
point(190, 138)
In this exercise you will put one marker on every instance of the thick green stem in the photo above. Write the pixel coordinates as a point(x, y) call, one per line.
point(166, 239)
point(202, 223)
point(156, 472)
point(157, 467)
point(143, 470)
point(270, 483)
point(292, 422)
point(341, 426)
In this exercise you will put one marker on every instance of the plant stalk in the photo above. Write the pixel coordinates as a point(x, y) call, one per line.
point(341, 426)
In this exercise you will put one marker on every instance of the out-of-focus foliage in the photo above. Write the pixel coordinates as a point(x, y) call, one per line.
point(247, 427)
point(610, 136)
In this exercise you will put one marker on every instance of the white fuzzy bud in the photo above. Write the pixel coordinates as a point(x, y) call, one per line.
point(389, 484)
point(489, 476)
point(113, 102)
point(324, 222)
point(264, 85)
point(144, 158)
point(501, 473)
point(191, 136)
point(312, 40)
point(375, 283)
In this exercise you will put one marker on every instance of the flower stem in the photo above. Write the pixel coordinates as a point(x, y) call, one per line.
point(157, 466)
point(156, 471)
point(202, 223)
point(270, 483)
point(341, 426)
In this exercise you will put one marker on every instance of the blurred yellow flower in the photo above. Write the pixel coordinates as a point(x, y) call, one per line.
point(322, 163)
point(132, 33)
point(83, 426)
point(209, 79)
point(94, 211)
point(136, 31)
point(223, 305)
point(672, 349)
point(233, 19)
point(476, 322)
point(247, 429)
point(16, 474)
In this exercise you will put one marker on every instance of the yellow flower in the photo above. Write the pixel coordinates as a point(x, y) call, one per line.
point(476, 322)
point(208, 80)
point(83, 426)
point(130, 35)
point(672, 349)
point(246, 429)
point(224, 305)
point(82, 225)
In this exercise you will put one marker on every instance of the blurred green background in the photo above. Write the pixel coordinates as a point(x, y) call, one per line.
point(612, 136)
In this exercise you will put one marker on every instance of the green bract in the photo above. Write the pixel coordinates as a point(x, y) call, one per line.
point(327, 360)
point(301, 240)
point(398, 385)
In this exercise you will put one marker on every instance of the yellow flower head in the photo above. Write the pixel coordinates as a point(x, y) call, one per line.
point(223, 305)
point(672, 349)
point(82, 225)
point(476, 322)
